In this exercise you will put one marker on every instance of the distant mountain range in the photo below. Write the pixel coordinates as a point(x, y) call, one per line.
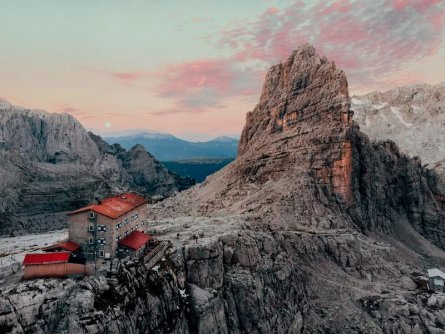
point(166, 147)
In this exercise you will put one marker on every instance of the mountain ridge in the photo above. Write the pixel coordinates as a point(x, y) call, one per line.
point(402, 114)
point(166, 147)
point(51, 164)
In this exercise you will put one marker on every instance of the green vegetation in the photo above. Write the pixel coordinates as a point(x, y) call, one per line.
point(198, 169)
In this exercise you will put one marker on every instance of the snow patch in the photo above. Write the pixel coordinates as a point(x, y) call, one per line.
point(356, 101)
point(182, 293)
point(13, 250)
point(398, 114)
point(380, 105)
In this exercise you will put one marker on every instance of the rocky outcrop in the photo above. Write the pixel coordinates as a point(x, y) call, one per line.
point(50, 164)
point(402, 115)
point(303, 161)
point(145, 173)
point(131, 300)
point(362, 215)
point(391, 188)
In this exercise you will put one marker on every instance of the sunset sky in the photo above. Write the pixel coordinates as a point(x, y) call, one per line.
point(194, 68)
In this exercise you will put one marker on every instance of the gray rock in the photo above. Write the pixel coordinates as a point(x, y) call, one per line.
point(49, 164)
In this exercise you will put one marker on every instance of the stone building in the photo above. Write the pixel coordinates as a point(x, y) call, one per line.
point(436, 280)
point(98, 228)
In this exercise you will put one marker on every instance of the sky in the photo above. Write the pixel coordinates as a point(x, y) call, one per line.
point(195, 68)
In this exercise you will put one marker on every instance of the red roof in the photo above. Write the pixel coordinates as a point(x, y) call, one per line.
point(68, 245)
point(135, 240)
point(115, 206)
point(42, 258)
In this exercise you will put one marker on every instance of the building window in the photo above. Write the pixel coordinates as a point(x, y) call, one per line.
point(102, 228)
point(135, 216)
point(126, 221)
point(90, 241)
point(143, 222)
point(101, 253)
point(118, 238)
point(118, 226)
point(90, 227)
point(126, 233)
point(90, 251)
point(101, 241)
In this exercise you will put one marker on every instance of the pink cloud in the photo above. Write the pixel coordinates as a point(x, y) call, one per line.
point(192, 75)
point(128, 76)
point(66, 108)
point(367, 40)
point(201, 85)
point(271, 11)
point(73, 111)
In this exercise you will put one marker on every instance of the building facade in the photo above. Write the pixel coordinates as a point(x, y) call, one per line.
point(436, 280)
point(98, 228)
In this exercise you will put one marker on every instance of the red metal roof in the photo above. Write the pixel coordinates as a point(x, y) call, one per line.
point(68, 245)
point(135, 240)
point(42, 258)
point(115, 206)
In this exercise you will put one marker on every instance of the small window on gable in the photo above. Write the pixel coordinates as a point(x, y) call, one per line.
point(101, 253)
point(102, 228)
point(90, 241)
point(90, 227)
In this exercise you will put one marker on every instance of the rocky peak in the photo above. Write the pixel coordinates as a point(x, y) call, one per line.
point(305, 98)
point(303, 161)
point(44, 137)
point(306, 89)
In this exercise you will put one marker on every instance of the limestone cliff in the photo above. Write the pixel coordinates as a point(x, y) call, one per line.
point(313, 229)
point(413, 116)
point(50, 165)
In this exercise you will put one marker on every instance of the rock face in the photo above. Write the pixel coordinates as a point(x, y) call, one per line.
point(313, 229)
point(50, 164)
point(358, 217)
point(412, 116)
point(118, 304)
point(301, 156)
